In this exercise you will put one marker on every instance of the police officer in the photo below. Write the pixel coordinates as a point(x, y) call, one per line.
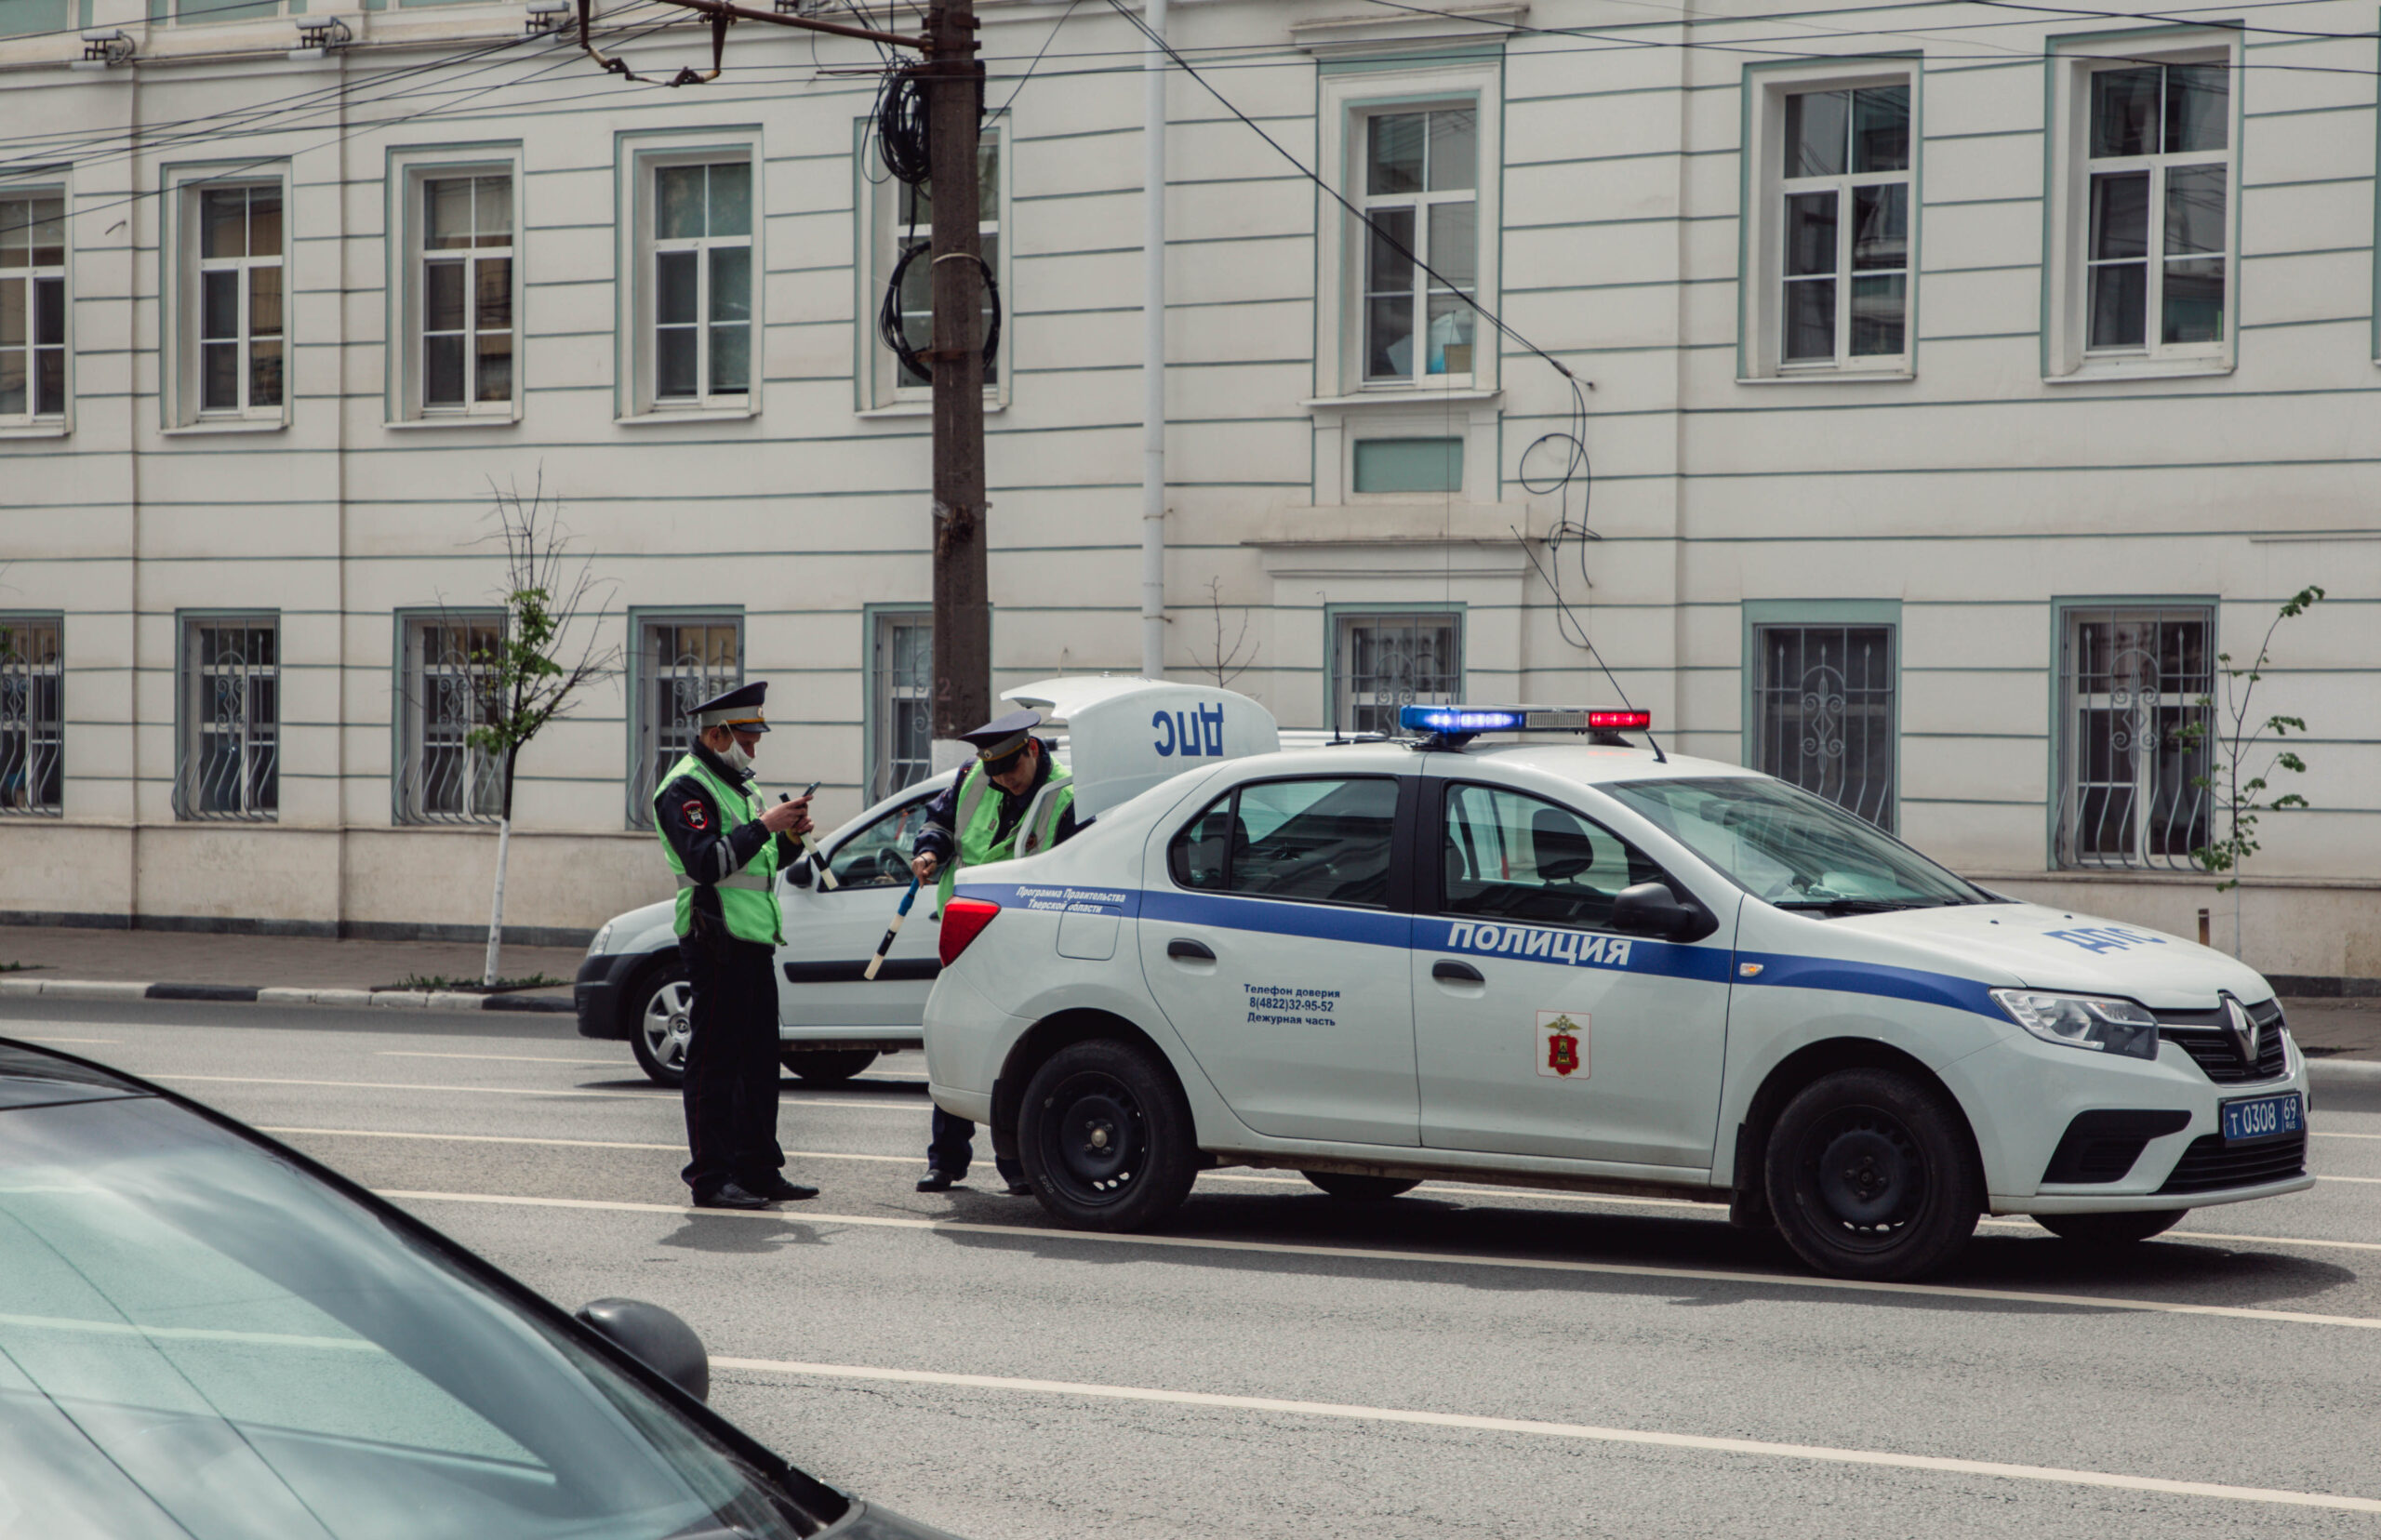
point(1015, 800)
point(726, 848)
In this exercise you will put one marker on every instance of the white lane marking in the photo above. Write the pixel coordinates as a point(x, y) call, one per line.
point(1458, 1259)
point(568, 1144)
point(2372, 1181)
point(24, 1038)
point(2338, 1134)
point(1758, 1447)
point(2270, 1240)
point(655, 1095)
point(623, 1059)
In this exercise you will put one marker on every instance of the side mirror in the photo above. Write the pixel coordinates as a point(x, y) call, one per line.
point(1651, 908)
point(654, 1338)
point(798, 874)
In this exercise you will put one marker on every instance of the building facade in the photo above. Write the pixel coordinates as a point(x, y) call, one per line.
point(1922, 403)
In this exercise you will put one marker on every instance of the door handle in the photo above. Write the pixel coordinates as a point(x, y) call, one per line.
point(1446, 970)
point(1183, 950)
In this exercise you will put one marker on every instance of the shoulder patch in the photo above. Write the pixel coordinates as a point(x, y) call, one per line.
point(695, 816)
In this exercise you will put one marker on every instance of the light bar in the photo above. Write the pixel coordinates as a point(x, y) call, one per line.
point(1471, 721)
point(1616, 721)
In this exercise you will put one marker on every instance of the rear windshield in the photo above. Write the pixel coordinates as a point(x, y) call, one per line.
point(1791, 849)
point(199, 1340)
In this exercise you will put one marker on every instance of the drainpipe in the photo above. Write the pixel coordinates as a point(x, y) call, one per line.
point(1154, 63)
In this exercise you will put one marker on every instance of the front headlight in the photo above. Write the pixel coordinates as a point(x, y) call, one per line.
point(603, 939)
point(2096, 1022)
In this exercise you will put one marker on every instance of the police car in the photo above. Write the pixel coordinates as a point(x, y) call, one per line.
point(1581, 964)
point(1119, 737)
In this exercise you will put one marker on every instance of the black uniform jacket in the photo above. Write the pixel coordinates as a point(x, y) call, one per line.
point(708, 846)
point(941, 841)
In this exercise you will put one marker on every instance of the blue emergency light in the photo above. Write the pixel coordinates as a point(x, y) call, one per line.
point(1454, 726)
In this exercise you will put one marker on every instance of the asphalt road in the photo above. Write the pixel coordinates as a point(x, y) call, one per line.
point(1457, 1362)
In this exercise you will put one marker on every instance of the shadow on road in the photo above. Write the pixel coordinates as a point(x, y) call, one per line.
point(738, 1234)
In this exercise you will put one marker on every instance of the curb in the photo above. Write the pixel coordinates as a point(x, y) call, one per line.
point(2329, 1071)
point(444, 1000)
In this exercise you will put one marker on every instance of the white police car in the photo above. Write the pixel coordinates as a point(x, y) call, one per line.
point(1585, 964)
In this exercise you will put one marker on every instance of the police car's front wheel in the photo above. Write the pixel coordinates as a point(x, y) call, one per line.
point(1869, 1175)
point(1106, 1138)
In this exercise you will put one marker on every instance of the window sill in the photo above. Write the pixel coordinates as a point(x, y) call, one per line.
point(992, 407)
point(2143, 369)
point(258, 425)
point(460, 419)
point(663, 416)
point(1830, 377)
point(1404, 395)
point(33, 429)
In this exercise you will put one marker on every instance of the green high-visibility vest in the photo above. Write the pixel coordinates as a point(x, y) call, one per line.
point(747, 899)
point(978, 819)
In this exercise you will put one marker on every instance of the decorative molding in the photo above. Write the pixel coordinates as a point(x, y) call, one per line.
point(1390, 31)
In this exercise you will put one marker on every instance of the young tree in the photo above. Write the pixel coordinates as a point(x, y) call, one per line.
point(530, 676)
point(1224, 662)
point(2232, 741)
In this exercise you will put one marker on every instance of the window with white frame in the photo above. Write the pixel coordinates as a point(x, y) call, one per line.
point(1844, 181)
point(1384, 662)
point(1421, 198)
point(33, 714)
point(902, 222)
point(449, 682)
point(2134, 720)
point(699, 285)
point(900, 700)
point(229, 757)
point(32, 308)
point(465, 292)
point(239, 333)
point(1824, 712)
point(681, 662)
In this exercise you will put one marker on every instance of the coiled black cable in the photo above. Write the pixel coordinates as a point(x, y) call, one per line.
point(896, 335)
point(901, 136)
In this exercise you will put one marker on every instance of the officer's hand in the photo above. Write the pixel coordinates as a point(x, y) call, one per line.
point(923, 867)
point(787, 818)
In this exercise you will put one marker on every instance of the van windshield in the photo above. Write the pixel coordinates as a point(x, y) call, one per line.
point(1791, 849)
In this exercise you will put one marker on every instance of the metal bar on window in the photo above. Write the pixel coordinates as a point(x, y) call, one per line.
point(32, 692)
point(231, 746)
point(680, 664)
point(1386, 662)
point(1824, 717)
point(2134, 692)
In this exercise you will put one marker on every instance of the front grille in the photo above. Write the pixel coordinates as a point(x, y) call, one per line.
point(2208, 1166)
point(2201, 1035)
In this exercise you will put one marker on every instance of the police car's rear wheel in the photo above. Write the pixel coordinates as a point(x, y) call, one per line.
point(1361, 1190)
point(1870, 1176)
point(663, 1000)
point(1105, 1136)
point(2110, 1229)
point(826, 1066)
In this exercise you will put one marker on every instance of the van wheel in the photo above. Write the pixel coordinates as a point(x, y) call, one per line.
point(1361, 1190)
point(1870, 1176)
point(1106, 1138)
point(2110, 1229)
point(662, 1026)
point(826, 1066)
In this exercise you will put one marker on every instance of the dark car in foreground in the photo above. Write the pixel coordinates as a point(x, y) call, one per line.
point(205, 1335)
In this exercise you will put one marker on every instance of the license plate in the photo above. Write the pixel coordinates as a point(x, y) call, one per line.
point(2263, 1118)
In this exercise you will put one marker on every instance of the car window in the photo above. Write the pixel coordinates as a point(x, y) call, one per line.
point(1515, 857)
point(1321, 840)
point(1782, 845)
point(201, 1340)
point(879, 855)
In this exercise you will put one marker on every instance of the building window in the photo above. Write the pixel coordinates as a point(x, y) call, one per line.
point(1421, 178)
point(1408, 466)
point(229, 720)
point(681, 662)
point(465, 300)
point(2161, 169)
point(2133, 692)
point(903, 219)
point(33, 715)
point(450, 689)
point(699, 285)
point(240, 333)
point(32, 308)
point(1824, 713)
point(900, 701)
point(1381, 663)
point(1845, 224)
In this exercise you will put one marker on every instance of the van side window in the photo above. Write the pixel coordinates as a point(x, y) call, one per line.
point(1320, 841)
point(878, 856)
point(1510, 856)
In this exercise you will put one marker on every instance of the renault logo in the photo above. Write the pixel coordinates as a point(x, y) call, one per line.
point(2243, 1030)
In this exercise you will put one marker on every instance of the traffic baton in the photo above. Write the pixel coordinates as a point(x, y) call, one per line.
point(810, 848)
point(892, 930)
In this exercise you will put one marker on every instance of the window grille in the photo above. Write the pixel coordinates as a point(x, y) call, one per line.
point(32, 693)
point(1825, 713)
point(1386, 662)
point(681, 663)
point(230, 719)
point(902, 662)
point(2133, 687)
point(450, 689)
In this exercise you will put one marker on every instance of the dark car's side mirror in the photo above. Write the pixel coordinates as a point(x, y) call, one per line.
point(798, 874)
point(1651, 908)
point(654, 1338)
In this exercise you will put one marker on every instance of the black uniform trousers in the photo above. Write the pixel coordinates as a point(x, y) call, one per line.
point(731, 1084)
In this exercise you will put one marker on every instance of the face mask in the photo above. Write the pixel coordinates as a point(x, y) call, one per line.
point(735, 758)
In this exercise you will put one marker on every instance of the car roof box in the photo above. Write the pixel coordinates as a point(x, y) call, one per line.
point(1127, 734)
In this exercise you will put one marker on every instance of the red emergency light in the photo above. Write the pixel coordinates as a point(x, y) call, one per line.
point(1618, 720)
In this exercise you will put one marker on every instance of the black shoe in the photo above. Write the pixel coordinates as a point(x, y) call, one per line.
point(934, 1181)
point(1020, 1188)
point(777, 1189)
point(727, 1195)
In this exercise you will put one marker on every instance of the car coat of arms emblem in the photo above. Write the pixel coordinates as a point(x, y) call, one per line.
point(2243, 1029)
point(1562, 1046)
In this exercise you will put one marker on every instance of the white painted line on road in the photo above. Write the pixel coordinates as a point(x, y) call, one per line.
point(2369, 1181)
point(655, 1095)
point(568, 1144)
point(622, 1059)
point(2338, 1134)
point(22, 1037)
point(1459, 1259)
point(1758, 1447)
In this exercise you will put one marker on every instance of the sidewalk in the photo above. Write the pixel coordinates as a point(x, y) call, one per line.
point(223, 966)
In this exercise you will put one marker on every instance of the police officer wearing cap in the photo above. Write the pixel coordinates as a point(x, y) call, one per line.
point(1015, 800)
point(726, 848)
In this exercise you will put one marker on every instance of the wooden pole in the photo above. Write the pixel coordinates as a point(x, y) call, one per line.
point(962, 626)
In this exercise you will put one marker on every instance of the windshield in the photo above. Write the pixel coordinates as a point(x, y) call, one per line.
point(198, 1341)
point(1792, 849)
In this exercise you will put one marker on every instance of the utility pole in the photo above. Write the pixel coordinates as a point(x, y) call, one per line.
point(963, 616)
